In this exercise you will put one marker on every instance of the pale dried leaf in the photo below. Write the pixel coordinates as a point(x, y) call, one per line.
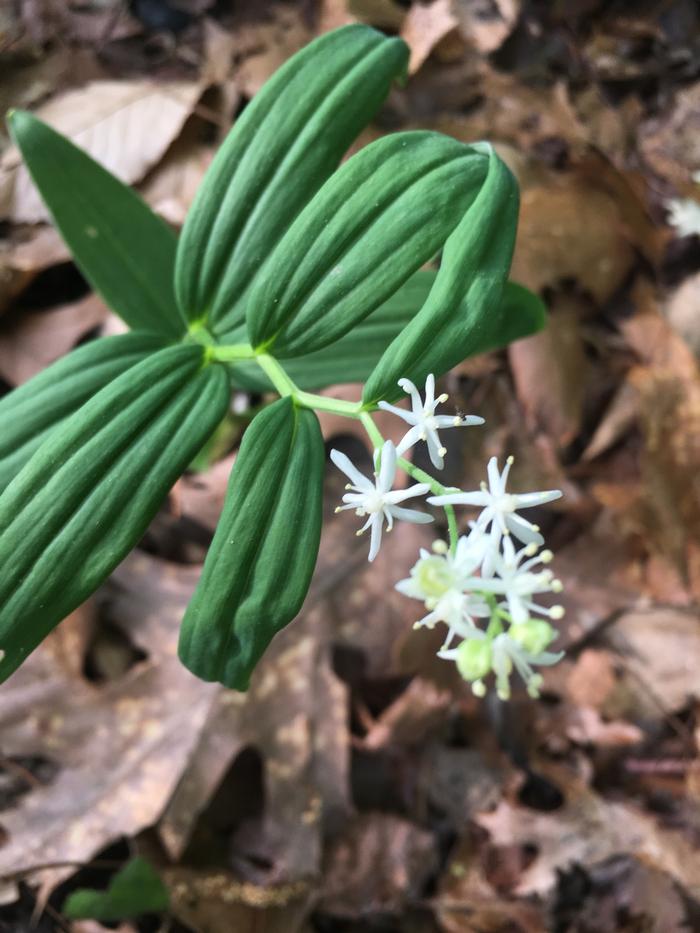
point(424, 27)
point(125, 125)
point(120, 748)
point(660, 648)
point(486, 24)
point(585, 831)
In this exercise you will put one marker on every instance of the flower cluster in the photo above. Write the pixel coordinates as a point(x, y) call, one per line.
point(483, 587)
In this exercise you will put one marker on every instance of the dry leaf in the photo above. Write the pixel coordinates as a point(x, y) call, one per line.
point(377, 866)
point(265, 45)
point(424, 27)
point(670, 143)
point(585, 831)
point(660, 648)
point(682, 308)
point(486, 24)
point(550, 371)
point(38, 338)
point(579, 226)
point(125, 125)
point(119, 748)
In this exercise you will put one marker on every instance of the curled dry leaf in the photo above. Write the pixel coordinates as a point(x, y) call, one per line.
point(262, 46)
point(424, 27)
point(125, 125)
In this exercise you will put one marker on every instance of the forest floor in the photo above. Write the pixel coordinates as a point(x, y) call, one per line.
point(359, 785)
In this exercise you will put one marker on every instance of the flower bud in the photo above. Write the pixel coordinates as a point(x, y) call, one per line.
point(534, 635)
point(474, 658)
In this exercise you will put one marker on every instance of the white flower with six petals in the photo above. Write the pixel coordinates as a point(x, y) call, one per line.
point(500, 509)
point(424, 422)
point(376, 499)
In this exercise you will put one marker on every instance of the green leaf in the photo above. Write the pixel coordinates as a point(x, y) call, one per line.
point(474, 268)
point(136, 889)
point(287, 142)
point(87, 495)
point(354, 356)
point(29, 413)
point(375, 222)
point(121, 247)
point(260, 563)
point(519, 314)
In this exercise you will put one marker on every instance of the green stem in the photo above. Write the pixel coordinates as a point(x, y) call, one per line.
point(277, 375)
point(232, 352)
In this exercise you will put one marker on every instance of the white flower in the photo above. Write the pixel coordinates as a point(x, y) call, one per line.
point(376, 499)
point(499, 509)
point(684, 215)
point(446, 584)
point(424, 422)
point(516, 581)
point(478, 655)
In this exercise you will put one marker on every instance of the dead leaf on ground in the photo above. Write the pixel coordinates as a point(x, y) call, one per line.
point(424, 27)
point(125, 125)
point(119, 747)
point(670, 143)
point(486, 25)
point(619, 418)
point(550, 370)
point(585, 831)
point(378, 865)
point(294, 715)
point(584, 225)
point(659, 648)
point(467, 902)
point(682, 308)
point(263, 46)
point(38, 338)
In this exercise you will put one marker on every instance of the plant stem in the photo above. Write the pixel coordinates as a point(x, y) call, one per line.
point(231, 352)
point(277, 375)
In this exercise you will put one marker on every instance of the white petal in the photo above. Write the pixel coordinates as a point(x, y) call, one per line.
point(434, 448)
point(523, 529)
point(409, 388)
point(400, 495)
point(494, 476)
point(387, 469)
point(430, 391)
point(409, 439)
point(408, 416)
point(527, 499)
point(375, 535)
point(410, 515)
point(461, 498)
point(345, 464)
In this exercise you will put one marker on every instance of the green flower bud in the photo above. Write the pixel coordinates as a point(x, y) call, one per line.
point(534, 635)
point(474, 658)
